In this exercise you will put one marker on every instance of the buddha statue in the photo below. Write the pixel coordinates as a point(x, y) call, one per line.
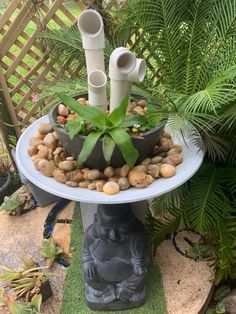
point(115, 258)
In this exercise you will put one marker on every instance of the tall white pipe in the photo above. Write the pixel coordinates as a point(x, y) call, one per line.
point(91, 27)
point(137, 75)
point(97, 90)
point(122, 62)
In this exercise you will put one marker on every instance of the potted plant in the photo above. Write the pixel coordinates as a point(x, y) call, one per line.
point(27, 282)
point(97, 139)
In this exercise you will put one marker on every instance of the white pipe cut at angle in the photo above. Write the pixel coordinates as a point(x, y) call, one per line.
point(97, 90)
point(91, 27)
point(137, 75)
point(122, 62)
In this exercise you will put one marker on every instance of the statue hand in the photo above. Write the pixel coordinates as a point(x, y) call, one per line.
point(139, 270)
point(124, 294)
point(90, 270)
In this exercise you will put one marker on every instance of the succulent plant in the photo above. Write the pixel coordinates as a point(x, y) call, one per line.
point(49, 251)
point(32, 307)
point(11, 204)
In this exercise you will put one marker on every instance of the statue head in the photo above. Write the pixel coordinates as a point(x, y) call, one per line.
point(114, 223)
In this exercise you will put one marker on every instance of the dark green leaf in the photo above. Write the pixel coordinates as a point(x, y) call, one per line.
point(125, 145)
point(92, 114)
point(88, 146)
point(222, 293)
point(118, 114)
point(73, 127)
point(108, 146)
point(153, 116)
point(129, 121)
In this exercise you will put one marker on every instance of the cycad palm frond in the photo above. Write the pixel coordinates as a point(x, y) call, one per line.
point(208, 204)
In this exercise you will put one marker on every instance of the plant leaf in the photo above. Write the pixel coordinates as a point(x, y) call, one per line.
point(129, 121)
point(118, 114)
point(108, 146)
point(73, 127)
point(123, 140)
point(153, 117)
point(88, 146)
point(92, 114)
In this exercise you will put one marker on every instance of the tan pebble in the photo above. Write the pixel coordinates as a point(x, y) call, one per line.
point(50, 154)
point(113, 179)
point(67, 165)
point(163, 154)
point(87, 103)
point(75, 175)
point(63, 155)
point(39, 135)
point(36, 162)
point(59, 175)
point(71, 116)
point(146, 161)
point(82, 100)
point(69, 158)
point(85, 175)
point(156, 159)
point(109, 172)
point(111, 188)
point(83, 170)
point(168, 161)
point(100, 185)
point(139, 110)
point(140, 168)
point(178, 148)
point(72, 184)
point(93, 174)
point(43, 152)
point(62, 110)
point(92, 186)
point(50, 141)
point(139, 179)
point(46, 167)
point(167, 170)
point(176, 159)
point(45, 128)
point(33, 141)
point(153, 170)
point(57, 151)
point(55, 135)
point(84, 184)
point(142, 103)
point(156, 150)
point(164, 144)
point(124, 171)
point(32, 150)
point(124, 183)
point(34, 157)
point(166, 135)
point(172, 151)
point(57, 159)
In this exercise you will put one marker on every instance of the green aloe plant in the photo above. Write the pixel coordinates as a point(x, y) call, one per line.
point(111, 128)
point(49, 251)
point(32, 307)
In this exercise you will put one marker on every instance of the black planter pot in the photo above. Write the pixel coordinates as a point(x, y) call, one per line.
point(46, 291)
point(5, 187)
point(96, 160)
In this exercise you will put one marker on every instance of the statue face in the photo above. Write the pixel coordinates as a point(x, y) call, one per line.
point(114, 234)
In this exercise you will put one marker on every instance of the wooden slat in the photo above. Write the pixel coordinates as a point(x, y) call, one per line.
point(17, 27)
point(67, 13)
point(7, 14)
point(32, 72)
point(39, 79)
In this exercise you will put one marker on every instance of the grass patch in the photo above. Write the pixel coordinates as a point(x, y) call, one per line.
point(73, 298)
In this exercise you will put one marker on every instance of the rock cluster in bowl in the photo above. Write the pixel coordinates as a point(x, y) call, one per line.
point(50, 159)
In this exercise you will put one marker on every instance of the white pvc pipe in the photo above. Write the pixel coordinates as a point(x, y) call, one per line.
point(91, 27)
point(97, 90)
point(122, 62)
point(137, 75)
